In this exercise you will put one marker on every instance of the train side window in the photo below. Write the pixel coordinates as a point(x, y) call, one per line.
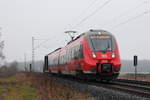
point(61, 60)
point(73, 53)
point(56, 61)
point(76, 52)
point(65, 59)
point(69, 55)
point(81, 51)
point(50, 63)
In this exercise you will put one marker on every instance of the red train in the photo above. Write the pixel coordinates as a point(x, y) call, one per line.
point(94, 54)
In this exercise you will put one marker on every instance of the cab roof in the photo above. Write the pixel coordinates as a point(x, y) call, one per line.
point(92, 32)
point(96, 32)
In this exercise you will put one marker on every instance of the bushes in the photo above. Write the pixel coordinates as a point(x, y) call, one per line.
point(7, 71)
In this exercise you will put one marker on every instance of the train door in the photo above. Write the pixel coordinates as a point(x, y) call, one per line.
point(45, 69)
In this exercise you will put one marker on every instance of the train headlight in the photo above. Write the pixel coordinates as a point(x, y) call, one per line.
point(94, 55)
point(113, 55)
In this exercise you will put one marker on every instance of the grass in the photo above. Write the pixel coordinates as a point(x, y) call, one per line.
point(23, 92)
point(1, 90)
point(8, 79)
point(34, 86)
point(14, 90)
point(5, 83)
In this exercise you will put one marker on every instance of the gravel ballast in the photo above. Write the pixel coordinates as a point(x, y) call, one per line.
point(99, 93)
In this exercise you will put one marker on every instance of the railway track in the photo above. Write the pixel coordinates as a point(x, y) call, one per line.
point(140, 89)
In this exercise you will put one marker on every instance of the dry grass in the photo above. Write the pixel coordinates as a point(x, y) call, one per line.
point(48, 89)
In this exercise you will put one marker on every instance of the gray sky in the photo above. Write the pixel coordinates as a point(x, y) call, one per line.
point(48, 19)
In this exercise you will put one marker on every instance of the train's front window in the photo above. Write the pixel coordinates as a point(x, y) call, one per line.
point(101, 43)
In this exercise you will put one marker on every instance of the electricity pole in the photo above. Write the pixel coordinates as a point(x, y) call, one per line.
point(135, 58)
point(2, 57)
point(135, 65)
point(33, 54)
point(32, 66)
point(25, 62)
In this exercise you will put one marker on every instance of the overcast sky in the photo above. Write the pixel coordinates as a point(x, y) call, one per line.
point(48, 19)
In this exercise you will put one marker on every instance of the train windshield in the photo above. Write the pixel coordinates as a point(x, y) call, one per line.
point(101, 43)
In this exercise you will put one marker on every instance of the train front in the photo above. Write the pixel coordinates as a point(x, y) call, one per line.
point(102, 55)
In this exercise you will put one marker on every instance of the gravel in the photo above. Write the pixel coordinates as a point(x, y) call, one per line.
point(99, 93)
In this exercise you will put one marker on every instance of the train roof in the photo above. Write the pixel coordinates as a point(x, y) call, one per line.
point(91, 32)
point(95, 32)
point(53, 51)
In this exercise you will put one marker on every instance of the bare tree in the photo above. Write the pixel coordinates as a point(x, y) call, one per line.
point(2, 57)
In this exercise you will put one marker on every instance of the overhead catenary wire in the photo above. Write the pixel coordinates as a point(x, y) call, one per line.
point(93, 13)
point(46, 40)
point(130, 19)
point(42, 43)
point(86, 9)
point(128, 11)
point(83, 12)
point(131, 10)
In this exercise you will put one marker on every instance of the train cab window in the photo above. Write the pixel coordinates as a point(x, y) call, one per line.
point(101, 43)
